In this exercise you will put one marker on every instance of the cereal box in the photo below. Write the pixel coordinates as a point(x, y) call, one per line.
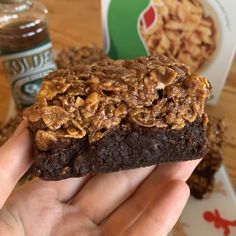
point(200, 33)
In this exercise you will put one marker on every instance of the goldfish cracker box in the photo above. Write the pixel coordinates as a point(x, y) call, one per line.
point(200, 33)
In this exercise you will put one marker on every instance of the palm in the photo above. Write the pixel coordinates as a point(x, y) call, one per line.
point(109, 204)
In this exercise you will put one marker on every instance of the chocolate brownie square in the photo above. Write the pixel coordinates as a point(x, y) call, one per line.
point(116, 115)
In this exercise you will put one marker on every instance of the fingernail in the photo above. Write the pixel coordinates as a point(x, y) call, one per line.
point(22, 126)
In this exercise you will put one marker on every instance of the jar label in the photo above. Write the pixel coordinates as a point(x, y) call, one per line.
point(26, 70)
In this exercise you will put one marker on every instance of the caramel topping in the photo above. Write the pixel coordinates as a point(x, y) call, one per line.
point(92, 99)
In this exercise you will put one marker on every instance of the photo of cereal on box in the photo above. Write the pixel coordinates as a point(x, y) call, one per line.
point(180, 29)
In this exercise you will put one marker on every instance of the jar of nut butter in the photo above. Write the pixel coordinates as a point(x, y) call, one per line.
point(25, 47)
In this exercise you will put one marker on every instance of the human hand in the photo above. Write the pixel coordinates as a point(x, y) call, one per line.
point(145, 201)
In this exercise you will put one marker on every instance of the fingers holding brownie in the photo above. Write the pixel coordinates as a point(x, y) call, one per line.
point(15, 158)
point(108, 192)
point(157, 202)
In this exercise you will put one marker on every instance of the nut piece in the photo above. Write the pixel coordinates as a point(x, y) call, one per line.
point(164, 75)
point(91, 105)
point(79, 102)
point(50, 88)
point(54, 117)
point(44, 140)
point(121, 111)
point(75, 130)
point(92, 99)
point(33, 113)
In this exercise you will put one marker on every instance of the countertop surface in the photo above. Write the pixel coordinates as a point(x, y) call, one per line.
point(76, 23)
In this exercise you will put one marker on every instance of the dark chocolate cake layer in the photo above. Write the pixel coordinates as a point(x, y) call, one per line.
point(202, 179)
point(97, 107)
point(123, 148)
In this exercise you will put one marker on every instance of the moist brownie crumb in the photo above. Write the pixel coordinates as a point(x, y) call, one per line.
point(73, 56)
point(7, 130)
point(122, 148)
point(87, 103)
point(200, 185)
point(202, 179)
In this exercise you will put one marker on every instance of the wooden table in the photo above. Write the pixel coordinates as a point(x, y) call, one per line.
point(78, 22)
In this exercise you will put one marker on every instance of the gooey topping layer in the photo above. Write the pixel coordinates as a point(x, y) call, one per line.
point(92, 99)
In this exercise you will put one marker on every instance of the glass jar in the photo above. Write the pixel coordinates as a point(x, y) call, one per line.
point(25, 47)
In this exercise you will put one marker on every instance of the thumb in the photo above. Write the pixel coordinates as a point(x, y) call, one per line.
point(15, 159)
